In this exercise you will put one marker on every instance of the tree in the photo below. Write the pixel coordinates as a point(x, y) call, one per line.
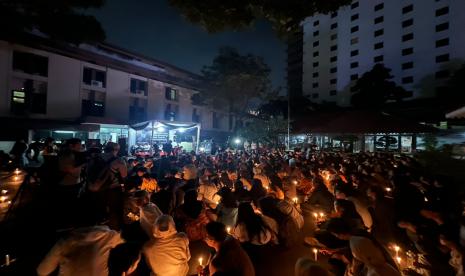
point(264, 131)
point(455, 94)
point(375, 88)
point(235, 80)
point(278, 106)
point(61, 20)
point(285, 16)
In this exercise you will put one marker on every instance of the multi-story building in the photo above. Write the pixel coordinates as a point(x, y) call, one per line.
point(58, 88)
point(421, 41)
point(295, 63)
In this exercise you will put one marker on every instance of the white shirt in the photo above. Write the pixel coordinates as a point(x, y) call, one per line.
point(85, 252)
point(269, 235)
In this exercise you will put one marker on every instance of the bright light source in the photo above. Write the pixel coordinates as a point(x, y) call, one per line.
point(237, 141)
point(202, 149)
point(181, 129)
point(64, 131)
point(161, 129)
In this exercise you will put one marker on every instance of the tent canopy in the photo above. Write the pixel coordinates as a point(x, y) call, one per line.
point(456, 114)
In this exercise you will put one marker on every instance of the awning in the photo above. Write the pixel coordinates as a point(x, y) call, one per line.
point(456, 114)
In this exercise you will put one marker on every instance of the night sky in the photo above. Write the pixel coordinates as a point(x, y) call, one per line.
point(154, 28)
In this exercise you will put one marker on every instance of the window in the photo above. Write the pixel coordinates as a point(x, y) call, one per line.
point(94, 77)
point(354, 53)
point(379, 19)
point(333, 59)
point(315, 54)
point(332, 93)
point(354, 77)
point(315, 64)
point(354, 65)
point(93, 103)
point(195, 115)
point(316, 33)
point(138, 110)
point(442, 58)
point(28, 96)
point(315, 85)
point(334, 14)
point(171, 112)
point(315, 75)
point(354, 29)
point(407, 51)
point(30, 63)
point(442, 11)
point(380, 6)
point(333, 48)
point(407, 80)
point(407, 9)
point(354, 17)
point(407, 65)
point(333, 81)
point(379, 45)
point(138, 87)
point(354, 5)
point(442, 74)
point(316, 23)
point(379, 58)
point(171, 94)
point(316, 43)
point(407, 23)
point(333, 26)
point(333, 70)
point(407, 37)
point(442, 42)
point(442, 27)
point(333, 36)
point(354, 41)
point(379, 32)
point(315, 95)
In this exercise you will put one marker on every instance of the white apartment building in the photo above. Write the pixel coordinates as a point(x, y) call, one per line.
point(422, 41)
point(101, 85)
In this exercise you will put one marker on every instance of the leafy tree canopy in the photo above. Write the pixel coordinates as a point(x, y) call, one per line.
point(60, 19)
point(375, 88)
point(455, 96)
point(235, 79)
point(264, 131)
point(285, 16)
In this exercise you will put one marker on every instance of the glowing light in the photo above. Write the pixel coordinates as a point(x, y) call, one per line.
point(426, 199)
point(228, 229)
point(296, 200)
point(295, 182)
point(16, 178)
point(399, 260)
point(161, 129)
point(200, 261)
point(315, 215)
point(237, 141)
point(4, 192)
point(3, 198)
point(181, 129)
point(17, 171)
point(202, 149)
point(7, 260)
point(322, 215)
point(388, 189)
point(315, 252)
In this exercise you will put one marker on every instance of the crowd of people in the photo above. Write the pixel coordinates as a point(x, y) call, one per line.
point(198, 214)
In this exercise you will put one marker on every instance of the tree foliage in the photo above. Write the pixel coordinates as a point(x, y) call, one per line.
point(285, 16)
point(235, 79)
point(375, 87)
point(455, 94)
point(264, 131)
point(62, 20)
point(278, 106)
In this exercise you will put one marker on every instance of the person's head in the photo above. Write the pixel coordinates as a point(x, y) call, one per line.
point(268, 206)
point(142, 198)
point(164, 227)
point(341, 191)
point(345, 208)
point(375, 193)
point(216, 234)
point(232, 175)
point(140, 171)
point(228, 198)
point(307, 267)
point(74, 144)
point(189, 172)
point(123, 259)
point(112, 148)
point(339, 228)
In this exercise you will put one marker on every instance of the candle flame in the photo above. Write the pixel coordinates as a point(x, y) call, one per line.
point(228, 229)
point(315, 250)
point(315, 215)
point(200, 261)
point(322, 214)
point(398, 259)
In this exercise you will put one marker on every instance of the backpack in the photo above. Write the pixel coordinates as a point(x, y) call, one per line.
point(99, 174)
point(288, 232)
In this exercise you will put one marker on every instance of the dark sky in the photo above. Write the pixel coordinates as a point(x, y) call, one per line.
point(153, 28)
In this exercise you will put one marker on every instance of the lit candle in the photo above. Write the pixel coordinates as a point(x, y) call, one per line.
point(315, 252)
point(388, 189)
point(228, 229)
point(296, 200)
point(315, 215)
point(3, 198)
point(398, 259)
point(17, 171)
point(8, 202)
point(322, 215)
point(295, 182)
point(426, 199)
point(16, 178)
point(4, 192)
point(7, 260)
point(397, 249)
point(200, 261)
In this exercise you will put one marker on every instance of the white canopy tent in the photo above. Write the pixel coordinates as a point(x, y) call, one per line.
point(456, 114)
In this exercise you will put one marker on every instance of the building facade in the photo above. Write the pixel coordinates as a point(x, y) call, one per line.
point(102, 84)
point(421, 41)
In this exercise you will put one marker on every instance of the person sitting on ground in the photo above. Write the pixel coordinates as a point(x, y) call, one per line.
point(344, 192)
point(254, 228)
point(84, 252)
point(165, 198)
point(229, 256)
point(191, 217)
point(207, 192)
point(226, 211)
point(148, 211)
point(167, 253)
point(124, 259)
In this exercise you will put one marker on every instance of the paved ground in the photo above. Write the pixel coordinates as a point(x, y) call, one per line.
point(29, 233)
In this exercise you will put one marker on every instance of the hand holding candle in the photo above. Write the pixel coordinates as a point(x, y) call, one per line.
point(315, 252)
